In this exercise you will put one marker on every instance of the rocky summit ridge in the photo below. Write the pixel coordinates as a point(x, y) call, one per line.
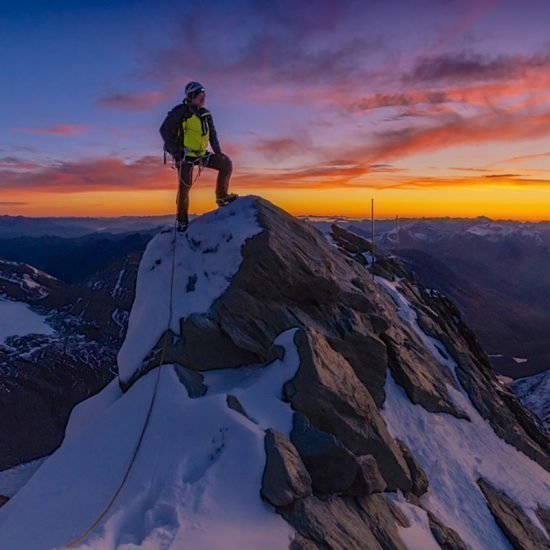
point(386, 374)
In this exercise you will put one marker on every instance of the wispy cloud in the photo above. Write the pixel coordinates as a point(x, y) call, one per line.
point(57, 130)
point(523, 158)
point(101, 174)
point(132, 101)
point(468, 68)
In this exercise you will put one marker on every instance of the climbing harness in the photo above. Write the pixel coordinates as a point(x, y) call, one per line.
point(81, 538)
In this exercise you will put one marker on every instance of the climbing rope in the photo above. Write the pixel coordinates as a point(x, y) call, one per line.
point(81, 538)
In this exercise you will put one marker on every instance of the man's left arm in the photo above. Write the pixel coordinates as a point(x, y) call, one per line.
point(214, 142)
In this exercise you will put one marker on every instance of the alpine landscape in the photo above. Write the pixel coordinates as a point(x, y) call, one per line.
point(275, 275)
point(275, 386)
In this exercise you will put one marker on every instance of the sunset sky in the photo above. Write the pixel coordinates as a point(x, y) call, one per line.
point(431, 107)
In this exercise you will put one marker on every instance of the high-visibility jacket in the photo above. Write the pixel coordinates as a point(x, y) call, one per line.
point(187, 130)
point(196, 134)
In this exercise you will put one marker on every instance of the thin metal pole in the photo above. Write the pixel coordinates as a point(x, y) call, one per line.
point(372, 231)
point(397, 234)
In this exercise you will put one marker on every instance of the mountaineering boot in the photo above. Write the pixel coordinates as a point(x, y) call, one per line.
point(223, 201)
point(181, 227)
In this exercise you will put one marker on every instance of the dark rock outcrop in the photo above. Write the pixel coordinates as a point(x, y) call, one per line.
point(327, 391)
point(513, 521)
point(301, 543)
point(345, 522)
point(419, 478)
point(234, 404)
point(285, 477)
point(544, 516)
point(192, 380)
point(332, 467)
point(446, 537)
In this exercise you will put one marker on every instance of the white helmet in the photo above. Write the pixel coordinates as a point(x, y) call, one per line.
point(193, 88)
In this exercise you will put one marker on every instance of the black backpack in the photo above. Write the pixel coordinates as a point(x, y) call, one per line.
point(171, 129)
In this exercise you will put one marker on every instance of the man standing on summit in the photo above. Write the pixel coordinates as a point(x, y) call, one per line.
point(186, 131)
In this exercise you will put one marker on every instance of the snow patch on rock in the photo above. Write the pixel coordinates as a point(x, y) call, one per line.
point(207, 255)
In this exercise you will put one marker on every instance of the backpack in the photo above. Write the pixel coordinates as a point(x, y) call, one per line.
point(171, 129)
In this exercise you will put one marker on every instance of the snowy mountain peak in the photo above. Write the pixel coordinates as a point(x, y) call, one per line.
point(183, 273)
point(301, 403)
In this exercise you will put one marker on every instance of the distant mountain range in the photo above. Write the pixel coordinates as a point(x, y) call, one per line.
point(21, 226)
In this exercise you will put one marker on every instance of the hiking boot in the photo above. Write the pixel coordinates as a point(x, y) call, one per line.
point(181, 227)
point(224, 201)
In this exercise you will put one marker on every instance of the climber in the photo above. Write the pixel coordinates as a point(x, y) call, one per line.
point(186, 131)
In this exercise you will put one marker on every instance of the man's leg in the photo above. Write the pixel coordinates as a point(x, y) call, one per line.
point(185, 171)
point(222, 163)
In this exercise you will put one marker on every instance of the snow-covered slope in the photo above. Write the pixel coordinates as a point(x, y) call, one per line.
point(202, 261)
point(194, 484)
point(288, 376)
point(456, 454)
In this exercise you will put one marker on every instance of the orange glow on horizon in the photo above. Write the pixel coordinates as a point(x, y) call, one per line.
point(496, 202)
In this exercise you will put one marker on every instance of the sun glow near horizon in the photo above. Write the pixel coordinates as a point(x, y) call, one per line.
point(495, 202)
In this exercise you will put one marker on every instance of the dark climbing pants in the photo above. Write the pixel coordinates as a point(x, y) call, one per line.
point(220, 162)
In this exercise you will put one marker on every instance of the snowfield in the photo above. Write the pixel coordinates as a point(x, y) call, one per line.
point(455, 453)
point(17, 319)
point(196, 479)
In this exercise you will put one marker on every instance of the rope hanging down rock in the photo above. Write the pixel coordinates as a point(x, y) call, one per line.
point(82, 537)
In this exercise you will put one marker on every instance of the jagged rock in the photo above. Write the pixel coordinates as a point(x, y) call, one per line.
point(308, 284)
point(327, 391)
point(370, 352)
point(285, 477)
point(419, 478)
point(350, 241)
point(301, 543)
point(334, 469)
point(544, 516)
point(346, 522)
point(416, 370)
point(513, 521)
point(446, 537)
point(378, 269)
point(234, 404)
point(3, 500)
point(275, 353)
point(204, 346)
point(370, 479)
point(496, 403)
point(384, 516)
point(193, 381)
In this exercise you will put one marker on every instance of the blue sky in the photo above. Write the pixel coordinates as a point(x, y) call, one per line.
point(394, 90)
